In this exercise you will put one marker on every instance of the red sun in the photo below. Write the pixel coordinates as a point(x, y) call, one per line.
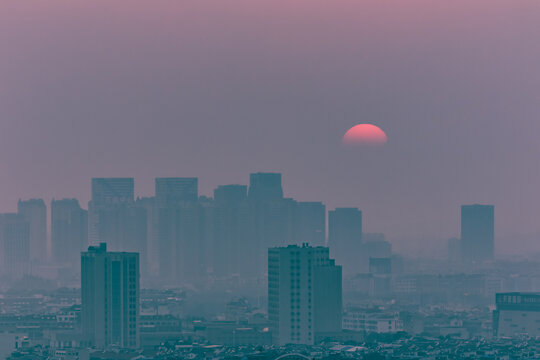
point(364, 134)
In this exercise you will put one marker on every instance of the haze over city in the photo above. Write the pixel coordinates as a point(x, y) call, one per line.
point(269, 180)
point(219, 89)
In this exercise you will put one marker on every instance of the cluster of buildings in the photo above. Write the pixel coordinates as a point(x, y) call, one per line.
point(178, 239)
point(399, 347)
point(305, 305)
point(304, 297)
point(181, 237)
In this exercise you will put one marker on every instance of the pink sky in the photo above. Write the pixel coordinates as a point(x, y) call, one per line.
point(218, 89)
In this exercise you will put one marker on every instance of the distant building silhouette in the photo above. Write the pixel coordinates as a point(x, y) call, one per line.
point(112, 190)
point(69, 231)
point(310, 223)
point(15, 241)
point(373, 246)
point(230, 194)
point(110, 297)
point(477, 232)
point(272, 216)
point(149, 259)
point(345, 237)
point(173, 190)
point(177, 228)
point(34, 212)
point(304, 294)
point(265, 187)
point(381, 272)
point(109, 196)
point(234, 248)
point(115, 218)
point(454, 249)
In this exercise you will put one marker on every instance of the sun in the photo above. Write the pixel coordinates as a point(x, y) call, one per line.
point(364, 134)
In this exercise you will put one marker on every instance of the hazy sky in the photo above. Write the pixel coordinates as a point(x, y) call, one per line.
point(218, 89)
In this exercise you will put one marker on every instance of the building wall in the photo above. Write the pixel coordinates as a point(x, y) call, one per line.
point(110, 297)
point(34, 211)
point(513, 323)
point(477, 232)
point(304, 294)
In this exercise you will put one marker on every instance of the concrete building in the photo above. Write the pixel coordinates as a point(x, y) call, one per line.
point(454, 250)
point(34, 211)
point(109, 197)
point(115, 218)
point(372, 321)
point(69, 231)
point(177, 227)
point(15, 242)
point(235, 250)
point(265, 187)
point(517, 314)
point(310, 223)
point(345, 237)
point(173, 190)
point(477, 232)
point(230, 194)
point(381, 272)
point(110, 297)
point(304, 294)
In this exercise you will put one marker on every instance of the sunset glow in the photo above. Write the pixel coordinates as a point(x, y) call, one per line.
point(364, 134)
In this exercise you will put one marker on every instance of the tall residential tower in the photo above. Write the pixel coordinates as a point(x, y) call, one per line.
point(477, 232)
point(110, 297)
point(304, 294)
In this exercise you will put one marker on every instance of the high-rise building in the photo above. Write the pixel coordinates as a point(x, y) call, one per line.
point(173, 190)
point(454, 249)
point(477, 232)
point(381, 272)
point(112, 190)
point(34, 212)
point(235, 250)
point(304, 294)
point(265, 187)
point(345, 237)
point(178, 230)
point(114, 218)
point(230, 194)
point(148, 245)
point(69, 231)
point(310, 223)
point(15, 241)
point(373, 245)
point(272, 216)
point(109, 197)
point(110, 297)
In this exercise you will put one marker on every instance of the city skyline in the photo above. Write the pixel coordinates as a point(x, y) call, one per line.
point(405, 242)
point(274, 87)
point(132, 195)
point(269, 179)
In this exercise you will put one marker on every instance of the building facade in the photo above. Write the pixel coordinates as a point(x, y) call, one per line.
point(34, 211)
point(345, 237)
point(517, 314)
point(110, 297)
point(304, 294)
point(372, 321)
point(110, 196)
point(69, 231)
point(477, 232)
point(15, 242)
